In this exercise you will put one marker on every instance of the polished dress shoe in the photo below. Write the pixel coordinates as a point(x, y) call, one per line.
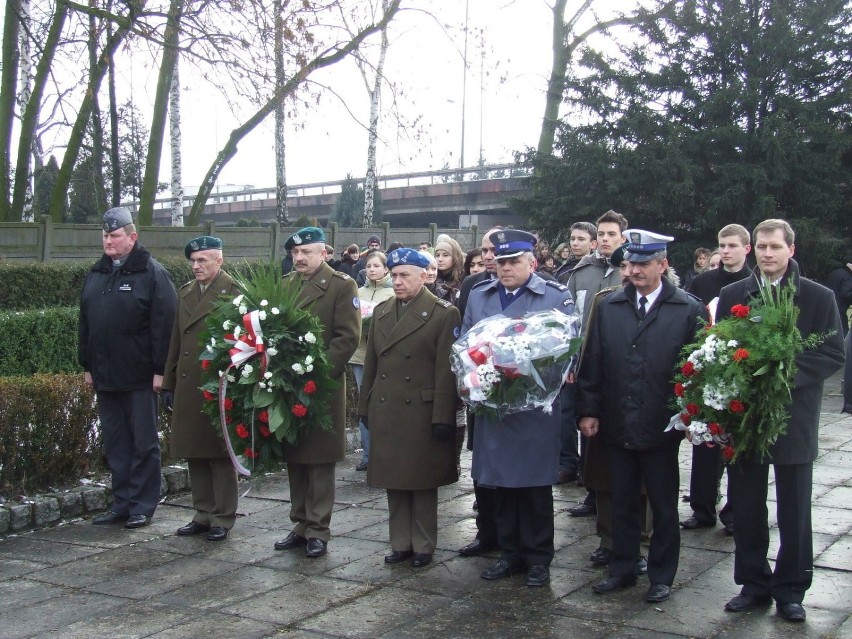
point(744, 603)
point(582, 510)
point(109, 517)
point(192, 528)
point(538, 575)
point(217, 533)
point(791, 611)
point(658, 593)
point(642, 566)
point(291, 541)
point(316, 548)
point(137, 521)
point(362, 466)
point(612, 584)
point(601, 556)
point(420, 559)
point(565, 476)
point(477, 547)
point(398, 556)
point(693, 523)
point(499, 570)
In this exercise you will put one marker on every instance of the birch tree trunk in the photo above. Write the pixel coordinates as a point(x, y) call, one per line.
point(114, 155)
point(174, 128)
point(8, 91)
point(375, 102)
point(158, 121)
point(24, 94)
point(280, 120)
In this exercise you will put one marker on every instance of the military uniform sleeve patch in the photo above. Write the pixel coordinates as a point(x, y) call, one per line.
point(567, 302)
point(456, 332)
point(356, 302)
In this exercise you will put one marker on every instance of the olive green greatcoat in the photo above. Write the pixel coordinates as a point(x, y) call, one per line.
point(194, 435)
point(407, 386)
point(333, 297)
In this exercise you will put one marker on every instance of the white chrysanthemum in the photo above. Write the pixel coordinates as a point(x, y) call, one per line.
point(267, 375)
point(275, 310)
point(271, 352)
point(238, 300)
point(297, 367)
point(237, 331)
point(226, 325)
point(262, 315)
point(231, 378)
point(209, 348)
point(309, 368)
point(264, 303)
point(733, 343)
point(248, 368)
point(243, 309)
point(309, 360)
point(261, 384)
point(310, 338)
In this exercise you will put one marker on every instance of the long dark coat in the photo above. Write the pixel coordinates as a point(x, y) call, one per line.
point(194, 435)
point(408, 386)
point(333, 297)
point(522, 449)
point(817, 314)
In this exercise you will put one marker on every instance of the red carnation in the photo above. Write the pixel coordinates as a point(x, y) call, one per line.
point(264, 430)
point(688, 369)
point(736, 406)
point(692, 409)
point(251, 453)
point(208, 396)
point(728, 453)
point(477, 356)
point(740, 310)
point(263, 416)
point(229, 403)
point(242, 431)
point(519, 328)
point(310, 387)
point(740, 354)
point(686, 419)
point(299, 411)
point(714, 428)
point(679, 389)
point(205, 364)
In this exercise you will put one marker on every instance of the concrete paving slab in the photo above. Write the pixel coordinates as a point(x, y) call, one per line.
point(45, 617)
point(44, 551)
point(219, 625)
point(131, 621)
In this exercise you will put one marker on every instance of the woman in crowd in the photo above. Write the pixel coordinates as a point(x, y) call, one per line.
point(378, 288)
point(473, 263)
point(702, 259)
point(562, 253)
point(349, 259)
point(449, 259)
point(715, 260)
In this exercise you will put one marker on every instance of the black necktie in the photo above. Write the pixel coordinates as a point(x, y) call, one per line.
point(642, 301)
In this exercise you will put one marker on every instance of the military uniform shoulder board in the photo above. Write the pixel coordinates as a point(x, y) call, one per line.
point(189, 283)
point(341, 275)
point(556, 285)
point(481, 282)
point(606, 291)
point(444, 303)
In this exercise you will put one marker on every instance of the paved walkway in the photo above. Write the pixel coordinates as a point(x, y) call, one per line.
point(80, 580)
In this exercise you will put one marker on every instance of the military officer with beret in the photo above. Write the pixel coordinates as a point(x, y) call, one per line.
point(624, 388)
point(127, 309)
point(333, 297)
point(408, 401)
point(194, 436)
point(518, 455)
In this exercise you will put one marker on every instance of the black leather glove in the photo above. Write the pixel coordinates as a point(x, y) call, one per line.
point(363, 419)
point(443, 431)
point(168, 399)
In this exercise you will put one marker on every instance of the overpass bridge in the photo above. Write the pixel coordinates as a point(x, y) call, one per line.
point(455, 198)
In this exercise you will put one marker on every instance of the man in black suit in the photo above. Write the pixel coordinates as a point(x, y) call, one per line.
point(793, 453)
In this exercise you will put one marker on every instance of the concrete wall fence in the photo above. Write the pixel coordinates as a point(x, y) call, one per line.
point(45, 241)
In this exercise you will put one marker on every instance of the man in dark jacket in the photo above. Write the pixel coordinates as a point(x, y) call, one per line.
point(126, 313)
point(793, 454)
point(624, 391)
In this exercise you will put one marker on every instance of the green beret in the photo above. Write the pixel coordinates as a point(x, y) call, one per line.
point(307, 235)
point(203, 243)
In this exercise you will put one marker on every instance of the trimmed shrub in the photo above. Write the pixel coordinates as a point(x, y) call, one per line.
point(39, 341)
point(48, 432)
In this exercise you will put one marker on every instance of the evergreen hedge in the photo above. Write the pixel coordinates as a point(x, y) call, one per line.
point(39, 341)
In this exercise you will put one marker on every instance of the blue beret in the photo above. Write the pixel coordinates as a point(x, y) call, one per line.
point(407, 257)
point(307, 235)
point(642, 245)
point(203, 243)
point(117, 218)
point(512, 243)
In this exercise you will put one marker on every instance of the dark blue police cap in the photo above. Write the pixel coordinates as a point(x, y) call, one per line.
point(512, 243)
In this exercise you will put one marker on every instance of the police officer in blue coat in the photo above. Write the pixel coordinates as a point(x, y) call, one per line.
point(518, 456)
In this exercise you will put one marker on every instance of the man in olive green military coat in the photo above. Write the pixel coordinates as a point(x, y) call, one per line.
point(194, 437)
point(408, 396)
point(333, 297)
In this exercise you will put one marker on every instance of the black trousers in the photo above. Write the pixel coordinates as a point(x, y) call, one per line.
point(794, 563)
point(569, 453)
point(132, 446)
point(524, 518)
point(658, 469)
point(486, 527)
point(707, 468)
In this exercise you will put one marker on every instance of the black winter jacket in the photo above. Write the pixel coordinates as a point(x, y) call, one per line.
point(126, 318)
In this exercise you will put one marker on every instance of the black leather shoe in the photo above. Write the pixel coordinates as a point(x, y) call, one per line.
point(499, 570)
point(744, 603)
point(108, 517)
point(316, 548)
point(192, 528)
point(137, 521)
point(583, 510)
point(791, 611)
point(601, 556)
point(612, 584)
point(658, 593)
point(291, 541)
point(729, 530)
point(477, 547)
point(565, 476)
point(642, 566)
point(217, 533)
point(538, 575)
point(693, 523)
point(420, 559)
point(398, 556)
point(362, 466)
